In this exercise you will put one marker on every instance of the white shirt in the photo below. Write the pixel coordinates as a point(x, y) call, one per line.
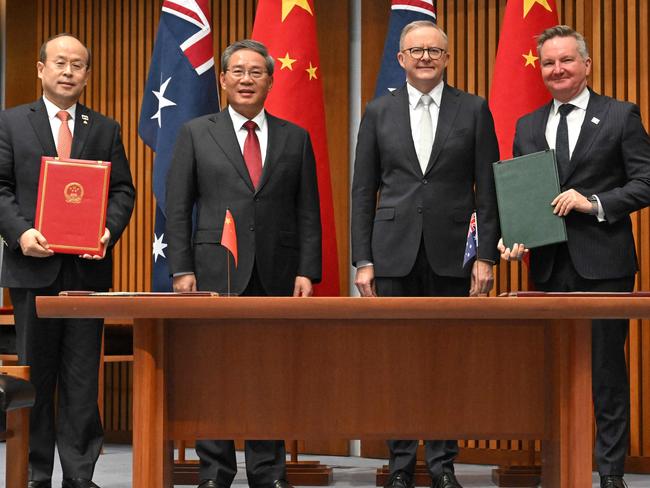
point(416, 110)
point(262, 131)
point(574, 120)
point(55, 122)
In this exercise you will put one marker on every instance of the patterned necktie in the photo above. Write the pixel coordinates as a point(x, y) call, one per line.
point(562, 142)
point(64, 144)
point(252, 152)
point(425, 144)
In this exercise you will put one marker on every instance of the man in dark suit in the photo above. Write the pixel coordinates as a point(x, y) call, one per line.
point(59, 351)
point(423, 165)
point(603, 157)
point(261, 168)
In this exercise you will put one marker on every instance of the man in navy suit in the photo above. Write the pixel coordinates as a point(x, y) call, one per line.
point(59, 351)
point(423, 165)
point(603, 156)
point(261, 168)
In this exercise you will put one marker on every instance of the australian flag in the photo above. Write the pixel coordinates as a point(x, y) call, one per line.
point(472, 241)
point(181, 86)
point(391, 74)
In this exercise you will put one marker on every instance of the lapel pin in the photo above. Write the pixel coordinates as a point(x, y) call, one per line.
point(594, 120)
point(84, 117)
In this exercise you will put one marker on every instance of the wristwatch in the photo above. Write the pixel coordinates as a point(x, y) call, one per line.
point(594, 204)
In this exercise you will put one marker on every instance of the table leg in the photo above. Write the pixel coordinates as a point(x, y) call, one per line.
point(567, 454)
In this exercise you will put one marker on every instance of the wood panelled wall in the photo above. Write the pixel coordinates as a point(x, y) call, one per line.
point(121, 34)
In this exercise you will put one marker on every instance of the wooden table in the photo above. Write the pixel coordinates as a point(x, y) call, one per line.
point(420, 368)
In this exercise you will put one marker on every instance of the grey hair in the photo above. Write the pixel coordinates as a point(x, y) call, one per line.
point(256, 46)
point(416, 24)
point(42, 55)
point(563, 31)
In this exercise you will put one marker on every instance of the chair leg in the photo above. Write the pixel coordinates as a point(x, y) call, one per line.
point(17, 448)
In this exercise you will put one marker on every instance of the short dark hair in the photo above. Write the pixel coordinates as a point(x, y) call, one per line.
point(563, 31)
point(256, 46)
point(42, 55)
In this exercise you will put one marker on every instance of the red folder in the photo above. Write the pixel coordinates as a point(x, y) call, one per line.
point(71, 206)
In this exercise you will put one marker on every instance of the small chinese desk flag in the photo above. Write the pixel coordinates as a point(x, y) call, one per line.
point(229, 236)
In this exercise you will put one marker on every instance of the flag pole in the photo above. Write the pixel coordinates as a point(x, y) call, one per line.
point(228, 268)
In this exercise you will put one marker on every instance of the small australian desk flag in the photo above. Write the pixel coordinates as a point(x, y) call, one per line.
point(472, 241)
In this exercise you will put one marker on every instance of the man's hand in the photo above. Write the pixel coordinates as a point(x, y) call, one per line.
point(515, 254)
point(482, 278)
point(303, 287)
point(184, 283)
point(34, 244)
point(570, 200)
point(104, 244)
point(365, 281)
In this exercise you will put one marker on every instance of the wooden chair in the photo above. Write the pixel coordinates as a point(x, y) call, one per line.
point(17, 396)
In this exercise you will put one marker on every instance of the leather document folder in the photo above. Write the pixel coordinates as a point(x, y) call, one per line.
point(526, 186)
point(71, 206)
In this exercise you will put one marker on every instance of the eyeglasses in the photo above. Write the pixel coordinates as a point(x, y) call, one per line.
point(435, 53)
point(239, 73)
point(75, 66)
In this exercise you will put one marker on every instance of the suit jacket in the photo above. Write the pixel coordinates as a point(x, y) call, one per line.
point(395, 206)
point(25, 136)
point(611, 160)
point(278, 224)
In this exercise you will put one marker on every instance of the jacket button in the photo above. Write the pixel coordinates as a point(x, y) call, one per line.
point(420, 210)
point(424, 181)
point(251, 227)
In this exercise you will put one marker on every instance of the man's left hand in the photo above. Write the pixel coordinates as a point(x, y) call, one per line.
point(482, 278)
point(104, 244)
point(570, 200)
point(303, 287)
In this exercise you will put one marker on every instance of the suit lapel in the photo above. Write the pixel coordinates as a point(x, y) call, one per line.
point(449, 106)
point(39, 121)
point(402, 126)
point(596, 110)
point(540, 119)
point(276, 141)
point(223, 133)
point(82, 126)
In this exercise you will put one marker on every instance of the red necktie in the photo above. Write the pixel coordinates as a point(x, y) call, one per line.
point(64, 145)
point(252, 153)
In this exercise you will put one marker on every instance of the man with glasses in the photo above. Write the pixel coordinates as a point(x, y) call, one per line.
point(262, 169)
point(423, 165)
point(63, 354)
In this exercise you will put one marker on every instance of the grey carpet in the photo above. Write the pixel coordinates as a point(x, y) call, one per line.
point(114, 471)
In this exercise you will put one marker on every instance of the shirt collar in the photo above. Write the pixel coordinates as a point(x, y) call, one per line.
point(238, 119)
point(415, 94)
point(52, 109)
point(581, 100)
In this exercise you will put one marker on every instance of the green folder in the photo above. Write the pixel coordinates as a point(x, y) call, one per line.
point(526, 186)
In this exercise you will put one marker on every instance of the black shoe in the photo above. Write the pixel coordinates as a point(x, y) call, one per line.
point(39, 484)
point(208, 484)
point(446, 480)
point(281, 484)
point(78, 483)
point(612, 482)
point(400, 479)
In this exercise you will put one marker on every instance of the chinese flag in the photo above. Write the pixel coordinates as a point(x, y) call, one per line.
point(229, 236)
point(288, 29)
point(517, 87)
